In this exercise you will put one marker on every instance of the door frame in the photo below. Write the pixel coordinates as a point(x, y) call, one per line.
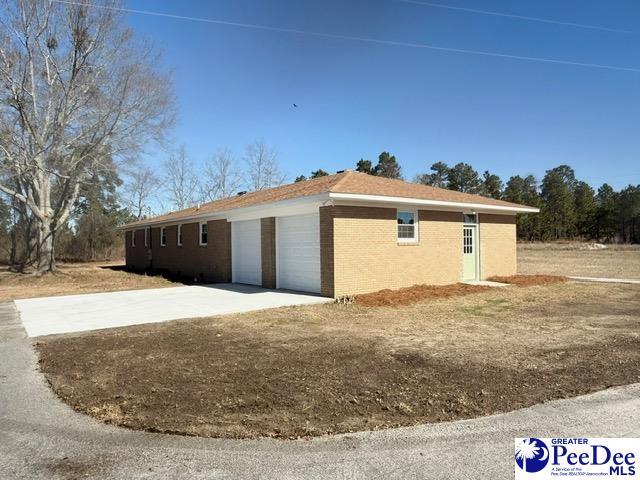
point(476, 244)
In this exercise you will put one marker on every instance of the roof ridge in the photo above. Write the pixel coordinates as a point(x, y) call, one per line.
point(344, 174)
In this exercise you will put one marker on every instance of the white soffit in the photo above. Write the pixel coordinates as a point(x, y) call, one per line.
point(360, 199)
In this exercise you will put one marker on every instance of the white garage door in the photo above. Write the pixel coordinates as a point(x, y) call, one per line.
point(298, 252)
point(246, 256)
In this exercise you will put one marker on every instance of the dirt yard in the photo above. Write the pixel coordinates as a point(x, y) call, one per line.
point(338, 368)
point(75, 278)
point(572, 258)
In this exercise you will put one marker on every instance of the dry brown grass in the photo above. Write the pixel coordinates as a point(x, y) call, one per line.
point(575, 259)
point(417, 293)
point(337, 368)
point(75, 278)
point(529, 280)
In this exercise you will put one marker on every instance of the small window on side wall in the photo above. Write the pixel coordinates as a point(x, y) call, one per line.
point(163, 236)
point(407, 226)
point(179, 235)
point(146, 237)
point(204, 233)
point(133, 238)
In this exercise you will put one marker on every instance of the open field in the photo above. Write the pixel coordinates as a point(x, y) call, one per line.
point(572, 258)
point(338, 368)
point(75, 278)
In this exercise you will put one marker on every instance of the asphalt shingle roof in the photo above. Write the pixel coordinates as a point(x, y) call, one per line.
point(345, 182)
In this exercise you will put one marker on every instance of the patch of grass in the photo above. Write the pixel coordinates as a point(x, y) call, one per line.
point(529, 280)
point(73, 279)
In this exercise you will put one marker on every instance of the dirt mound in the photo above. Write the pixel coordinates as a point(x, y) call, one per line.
point(530, 280)
point(417, 293)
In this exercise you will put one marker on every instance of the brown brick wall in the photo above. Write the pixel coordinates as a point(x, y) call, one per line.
point(210, 263)
point(367, 256)
point(497, 245)
point(268, 247)
point(137, 258)
point(326, 251)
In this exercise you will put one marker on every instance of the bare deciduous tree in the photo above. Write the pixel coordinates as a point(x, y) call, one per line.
point(139, 189)
point(222, 176)
point(263, 170)
point(182, 182)
point(75, 88)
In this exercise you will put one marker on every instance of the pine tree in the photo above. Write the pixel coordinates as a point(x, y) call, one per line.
point(364, 166)
point(387, 166)
point(439, 177)
point(558, 208)
point(491, 185)
point(525, 192)
point(318, 173)
point(585, 206)
point(463, 178)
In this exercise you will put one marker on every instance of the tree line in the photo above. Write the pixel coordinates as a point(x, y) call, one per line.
point(80, 97)
point(569, 208)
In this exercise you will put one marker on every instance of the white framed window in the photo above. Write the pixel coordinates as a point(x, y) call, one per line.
point(407, 226)
point(163, 236)
point(470, 218)
point(204, 233)
point(133, 238)
point(179, 235)
point(146, 237)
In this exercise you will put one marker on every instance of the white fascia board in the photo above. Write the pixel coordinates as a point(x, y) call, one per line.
point(293, 206)
point(284, 208)
point(356, 198)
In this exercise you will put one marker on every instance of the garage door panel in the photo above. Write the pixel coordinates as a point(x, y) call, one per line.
point(246, 252)
point(298, 260)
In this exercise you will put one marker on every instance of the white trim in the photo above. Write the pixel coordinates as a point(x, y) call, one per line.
point(163, 236)
point(133, 238)
point(292, 206)
point(310, 204)
point(435, 204)
point(146, 236)
point(179, 235)
point(475, 246)
point(416, 228)
point(200, 234)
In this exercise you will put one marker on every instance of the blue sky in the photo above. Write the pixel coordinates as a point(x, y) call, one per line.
point(234, 85)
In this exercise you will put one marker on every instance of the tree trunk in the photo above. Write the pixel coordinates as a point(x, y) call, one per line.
point(46, 260)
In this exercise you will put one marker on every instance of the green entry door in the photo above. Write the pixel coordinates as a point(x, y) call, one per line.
point(469, 271)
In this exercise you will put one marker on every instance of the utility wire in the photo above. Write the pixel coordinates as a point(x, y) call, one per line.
point(520, 17)
point(355, 38)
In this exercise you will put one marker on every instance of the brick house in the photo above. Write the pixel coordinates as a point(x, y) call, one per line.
point(337, 235)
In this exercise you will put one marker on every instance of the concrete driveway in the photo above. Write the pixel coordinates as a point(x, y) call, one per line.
point(77, 313)
point(41, 438)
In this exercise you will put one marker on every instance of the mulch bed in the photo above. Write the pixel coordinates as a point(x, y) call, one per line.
point(530, 280)
point(417, 293)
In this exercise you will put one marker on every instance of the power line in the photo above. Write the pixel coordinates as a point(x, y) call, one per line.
point(521, 17)
point(356, 38)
